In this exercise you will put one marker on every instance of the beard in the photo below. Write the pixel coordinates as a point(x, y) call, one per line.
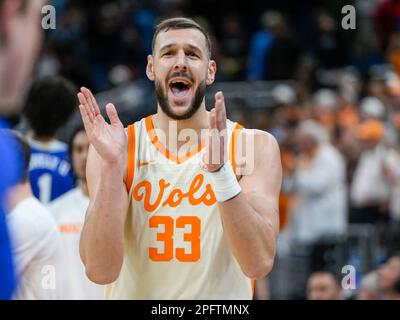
point(162, 98)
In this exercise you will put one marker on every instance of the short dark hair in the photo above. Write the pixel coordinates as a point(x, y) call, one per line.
point(181, 23)
point(51, 101)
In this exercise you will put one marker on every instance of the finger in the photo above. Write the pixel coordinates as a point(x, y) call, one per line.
point(94, 103)
point(223, 109)
point(91, 101)
point(208, 141)
point(220, 110)
point(113, 114)
point(84, 104)
point(213, 119)
point(86, 93)
point(87, 122)
point(213, 145)
point(206, 159)
point(81, 98)
point(86, 101)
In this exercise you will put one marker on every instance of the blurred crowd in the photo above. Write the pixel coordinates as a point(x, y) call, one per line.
point(103, 43)
point(337, 123)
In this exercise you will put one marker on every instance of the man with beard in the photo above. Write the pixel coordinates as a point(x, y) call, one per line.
point(174, 213)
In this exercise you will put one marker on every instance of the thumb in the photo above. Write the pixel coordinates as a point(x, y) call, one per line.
point(112, 114)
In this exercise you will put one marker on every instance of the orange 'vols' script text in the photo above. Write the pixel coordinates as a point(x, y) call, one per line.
point(175, 197)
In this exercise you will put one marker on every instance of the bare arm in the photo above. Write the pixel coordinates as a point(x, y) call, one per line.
point(101, 244)
point(251, 219)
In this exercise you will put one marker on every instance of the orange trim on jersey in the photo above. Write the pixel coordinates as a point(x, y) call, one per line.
point(164, 151)
point(232, 154)
point(252, 288)
point(131, 156)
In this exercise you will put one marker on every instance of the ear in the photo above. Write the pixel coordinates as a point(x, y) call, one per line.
point(150, 67)
point(8, 12)
point(212, 70)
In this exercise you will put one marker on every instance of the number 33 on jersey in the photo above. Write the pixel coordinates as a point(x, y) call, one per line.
point(174, 242)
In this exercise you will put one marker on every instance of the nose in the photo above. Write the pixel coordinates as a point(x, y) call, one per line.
point(180, 63)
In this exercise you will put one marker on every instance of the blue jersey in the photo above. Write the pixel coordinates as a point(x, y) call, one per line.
point(10, 168)
point(50, 171)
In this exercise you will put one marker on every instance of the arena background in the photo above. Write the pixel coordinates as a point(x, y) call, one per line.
point(280, 62)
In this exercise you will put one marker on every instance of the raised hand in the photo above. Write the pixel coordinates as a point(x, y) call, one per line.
point(109, 140)
point(215, 153)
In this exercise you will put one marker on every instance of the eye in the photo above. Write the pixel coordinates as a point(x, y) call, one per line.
point(193, 55)
point(167, 54)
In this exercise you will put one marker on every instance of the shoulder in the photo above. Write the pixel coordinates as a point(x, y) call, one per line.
point(31, 221)
point(139, 124)
point(331, 154)
point(258, 141)
point(255, 150)
point(54, 145)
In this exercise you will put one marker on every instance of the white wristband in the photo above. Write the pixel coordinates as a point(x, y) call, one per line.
point(224, 183)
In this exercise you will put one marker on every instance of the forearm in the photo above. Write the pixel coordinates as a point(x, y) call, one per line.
point(250, 235)
point(103, 232)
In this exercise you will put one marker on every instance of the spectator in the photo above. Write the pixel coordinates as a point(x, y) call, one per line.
point(372, 108)
point(391, 171)
point(283, 57)
point(369, 190)
point(233, 48)
point(51, 102)
point(324, 108)
point(69, 212)
point(260, 45)
point(389, 278)
point(369, 289)
point(386, 18)
point(331, 47)
point(318, 180)
point(323, 286)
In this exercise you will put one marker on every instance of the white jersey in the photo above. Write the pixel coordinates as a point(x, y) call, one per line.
point(69, 212)
point(174, 246)
point(37, 251)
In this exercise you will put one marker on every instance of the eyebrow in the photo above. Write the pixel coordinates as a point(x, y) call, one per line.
point(191, 46)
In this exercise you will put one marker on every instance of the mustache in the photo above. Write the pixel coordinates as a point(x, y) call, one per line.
point(181, 74)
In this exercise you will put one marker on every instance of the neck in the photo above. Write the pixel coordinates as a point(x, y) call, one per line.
point(197, 122)
point(34, 136)
point(172, 128)
point(84, 187)
point(18, 194)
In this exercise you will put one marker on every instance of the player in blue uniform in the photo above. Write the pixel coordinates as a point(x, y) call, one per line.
point(9, 162)
point(50, 103)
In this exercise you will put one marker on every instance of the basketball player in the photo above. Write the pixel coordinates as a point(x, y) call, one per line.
point(69, 212)
point(50, 103)
point(36, 240)
point(20, 35)
point(165, 224)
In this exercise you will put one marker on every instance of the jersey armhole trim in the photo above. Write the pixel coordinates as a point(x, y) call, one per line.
point(232, 149)
point(131, 156)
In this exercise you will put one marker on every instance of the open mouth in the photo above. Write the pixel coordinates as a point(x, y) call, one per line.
point(180, 87)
